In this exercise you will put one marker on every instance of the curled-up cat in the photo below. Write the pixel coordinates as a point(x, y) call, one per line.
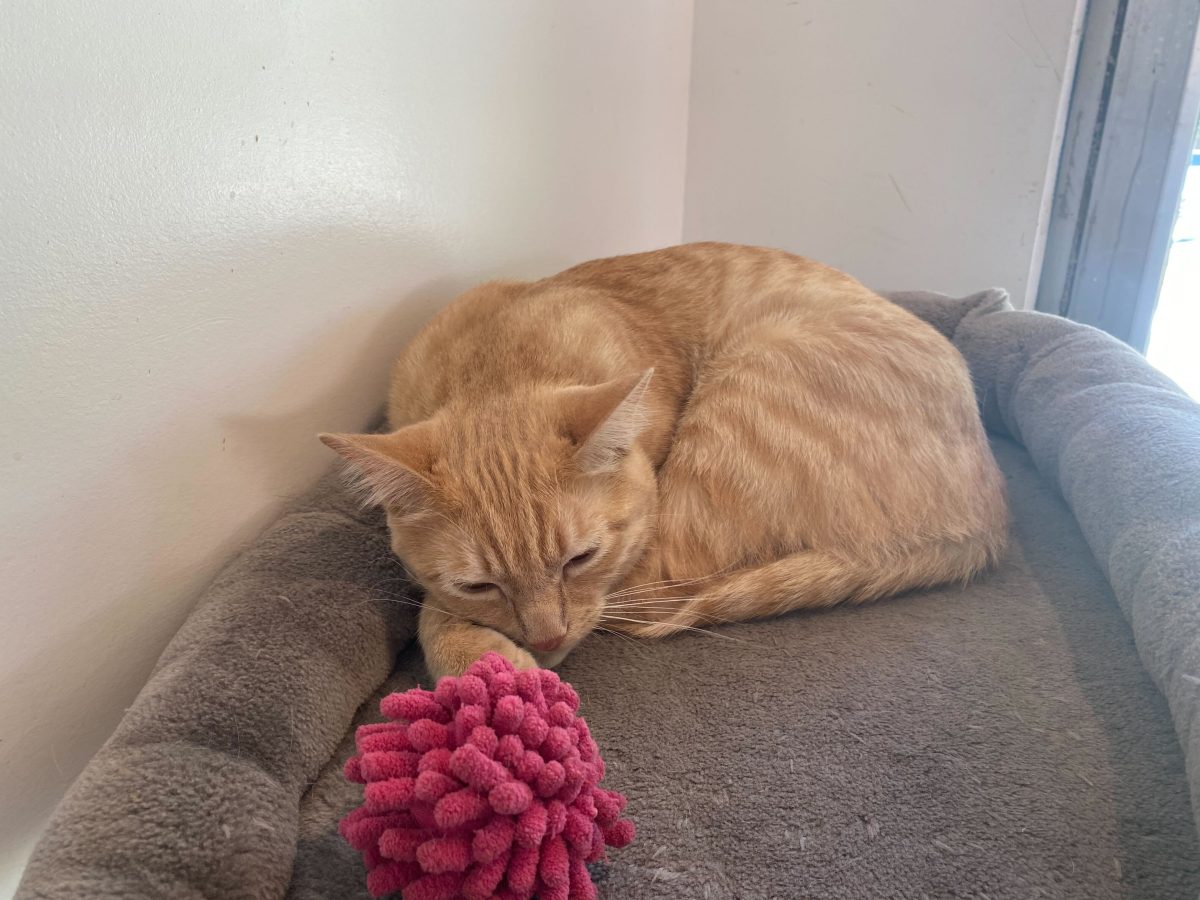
point(670, 440)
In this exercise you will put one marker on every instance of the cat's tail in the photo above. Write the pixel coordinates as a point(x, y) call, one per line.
point(813, 579)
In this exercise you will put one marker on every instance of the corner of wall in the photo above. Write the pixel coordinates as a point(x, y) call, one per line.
point(1050, 183)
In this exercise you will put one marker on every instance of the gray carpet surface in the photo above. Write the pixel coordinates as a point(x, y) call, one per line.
point(1009, 739)
point(998, 740)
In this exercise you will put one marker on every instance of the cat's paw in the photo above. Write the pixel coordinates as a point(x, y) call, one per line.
point(520, 657)
point(451, 655)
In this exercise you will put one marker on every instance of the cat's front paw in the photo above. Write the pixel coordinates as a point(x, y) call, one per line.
point(518, 656)
point(451, 655)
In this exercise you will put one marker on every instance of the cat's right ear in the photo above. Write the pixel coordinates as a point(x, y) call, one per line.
point(604, 420)
point(390, 469)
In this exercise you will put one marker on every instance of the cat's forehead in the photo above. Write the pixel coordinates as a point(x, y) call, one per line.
point(514, 514)
point(503, 432)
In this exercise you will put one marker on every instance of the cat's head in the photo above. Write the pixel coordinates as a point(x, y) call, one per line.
point(517, 512)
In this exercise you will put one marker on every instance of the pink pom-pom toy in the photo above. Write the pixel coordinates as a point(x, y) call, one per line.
point(487, 786)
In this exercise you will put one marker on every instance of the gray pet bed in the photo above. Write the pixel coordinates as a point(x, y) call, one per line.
point(1008, 739)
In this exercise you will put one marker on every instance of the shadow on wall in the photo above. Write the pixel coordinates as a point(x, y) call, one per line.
point(291, 418)
point(68, 693)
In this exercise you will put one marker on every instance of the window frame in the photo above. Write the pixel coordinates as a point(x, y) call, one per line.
point(1128, 140)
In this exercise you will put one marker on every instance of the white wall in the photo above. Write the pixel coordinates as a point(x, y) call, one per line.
point(219, 222)
point(911, 143)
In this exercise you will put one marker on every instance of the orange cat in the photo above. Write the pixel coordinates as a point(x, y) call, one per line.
point(655, 442)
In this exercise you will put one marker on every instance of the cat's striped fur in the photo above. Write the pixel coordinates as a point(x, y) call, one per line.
point(730, 432)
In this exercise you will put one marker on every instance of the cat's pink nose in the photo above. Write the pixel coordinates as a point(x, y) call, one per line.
point(552, 644)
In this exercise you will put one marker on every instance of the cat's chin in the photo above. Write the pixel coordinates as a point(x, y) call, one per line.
point(553, 658)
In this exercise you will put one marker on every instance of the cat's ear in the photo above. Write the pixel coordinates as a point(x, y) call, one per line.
point(604, 420)
point(390, 469)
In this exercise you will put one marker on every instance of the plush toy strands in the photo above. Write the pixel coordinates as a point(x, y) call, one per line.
point(486, 787)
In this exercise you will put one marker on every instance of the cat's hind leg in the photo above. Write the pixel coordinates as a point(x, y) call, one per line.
point(804, 474)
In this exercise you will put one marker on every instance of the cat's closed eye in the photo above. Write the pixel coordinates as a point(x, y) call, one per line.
point(477, 588)
point(579, 560)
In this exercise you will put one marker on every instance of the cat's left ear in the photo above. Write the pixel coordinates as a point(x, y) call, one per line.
point(604, 420)
point(391, 469)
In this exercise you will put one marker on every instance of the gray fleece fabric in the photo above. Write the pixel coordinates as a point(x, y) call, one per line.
point(1002, 739)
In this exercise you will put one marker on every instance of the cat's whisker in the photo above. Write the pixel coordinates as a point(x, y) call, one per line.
point(724, 570)
point(650, 606)
point(668, 611)
point(724, 637)
point(638, 601)
point(651, 585)
point(417, 605)
point(627, 638)
point(401, 602)
point(671, 582)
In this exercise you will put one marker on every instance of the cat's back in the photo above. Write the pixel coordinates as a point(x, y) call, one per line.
point(714, 291)
point(799, 362)
point(820, 415)
point(674, 309)
point(506, 337)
